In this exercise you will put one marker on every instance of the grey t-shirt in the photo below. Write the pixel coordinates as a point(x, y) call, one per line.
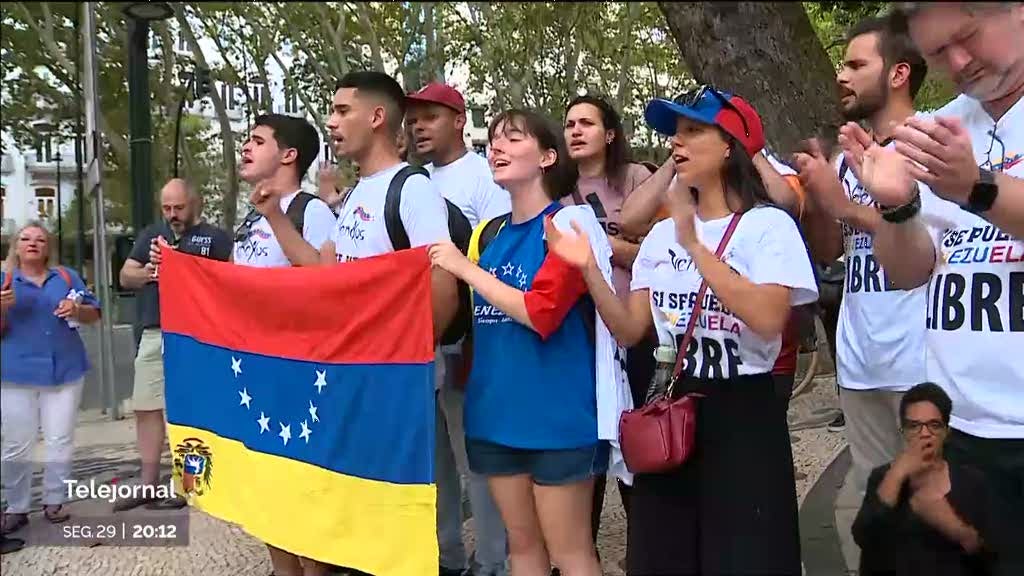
point(200, 240)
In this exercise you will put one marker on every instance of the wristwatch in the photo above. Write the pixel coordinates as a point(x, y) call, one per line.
point(897, 214)
point(983, 193)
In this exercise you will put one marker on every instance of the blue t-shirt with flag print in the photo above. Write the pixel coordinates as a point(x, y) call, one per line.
point(532, 388)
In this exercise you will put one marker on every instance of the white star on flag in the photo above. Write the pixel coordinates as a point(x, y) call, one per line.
point(520, 272)
point(493, 271)
point(245, 397)
point(264, 423)
point(305, 432)
point(522, 283)
point(286, 432)
point(312, 412)
point(236, 366)
point(321, 381)
point(507, 269)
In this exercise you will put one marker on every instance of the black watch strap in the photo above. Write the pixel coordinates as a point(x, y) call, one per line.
point(983, 193)
point(897, 214)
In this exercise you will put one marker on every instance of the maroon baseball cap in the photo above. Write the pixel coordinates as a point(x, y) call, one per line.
point(438, 93)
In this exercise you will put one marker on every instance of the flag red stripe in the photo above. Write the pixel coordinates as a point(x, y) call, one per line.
point(370, 311)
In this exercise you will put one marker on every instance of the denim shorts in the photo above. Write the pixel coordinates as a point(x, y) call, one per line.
point(545, 467)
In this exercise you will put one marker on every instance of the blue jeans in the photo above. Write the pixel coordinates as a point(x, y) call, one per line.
point(451, 467)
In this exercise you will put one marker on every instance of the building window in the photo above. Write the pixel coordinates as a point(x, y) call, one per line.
point(3, 201)
point(46, 202)
point(291, 102)
point(227, 94)
point(478, 117)
point(182, 45)
point(44, 150)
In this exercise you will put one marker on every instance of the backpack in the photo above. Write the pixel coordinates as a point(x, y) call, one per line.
point(460, 231)
point(297, 210)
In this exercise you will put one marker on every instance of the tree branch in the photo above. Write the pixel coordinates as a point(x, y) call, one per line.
point(372, 40)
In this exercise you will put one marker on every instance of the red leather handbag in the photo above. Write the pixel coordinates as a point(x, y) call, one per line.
point(660, 436)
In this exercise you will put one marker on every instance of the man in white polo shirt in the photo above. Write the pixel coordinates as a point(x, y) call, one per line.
point(436, 117)
point(971, 154)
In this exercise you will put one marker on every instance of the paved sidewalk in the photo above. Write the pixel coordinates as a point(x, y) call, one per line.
point(105, 451)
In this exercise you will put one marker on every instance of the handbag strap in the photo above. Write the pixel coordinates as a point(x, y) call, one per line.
point(698, 307)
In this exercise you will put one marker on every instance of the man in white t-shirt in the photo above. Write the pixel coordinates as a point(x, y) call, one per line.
point(968, 248)
point(275, 158)
point(367, 114)
point(880, 330)
point(436, 117)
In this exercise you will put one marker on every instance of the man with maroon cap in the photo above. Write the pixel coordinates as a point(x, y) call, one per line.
point(436, 117)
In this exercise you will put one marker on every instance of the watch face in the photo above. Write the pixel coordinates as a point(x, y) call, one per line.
point(984, 193)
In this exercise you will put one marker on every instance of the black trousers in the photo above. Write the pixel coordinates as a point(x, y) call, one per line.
point(732, 508)
point(1002, 462)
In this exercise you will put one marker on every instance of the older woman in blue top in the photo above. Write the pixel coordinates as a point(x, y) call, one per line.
point(44, 363)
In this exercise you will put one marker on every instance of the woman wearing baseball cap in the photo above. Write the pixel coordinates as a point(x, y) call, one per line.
point(731, 508)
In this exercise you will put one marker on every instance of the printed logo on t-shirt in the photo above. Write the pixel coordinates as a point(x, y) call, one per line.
point(720, 359)
point(995, 301)
point(254, 246)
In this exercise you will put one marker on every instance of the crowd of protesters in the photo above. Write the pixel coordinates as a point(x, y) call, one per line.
point(600, 284)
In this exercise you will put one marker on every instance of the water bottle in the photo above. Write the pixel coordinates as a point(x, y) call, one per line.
point(76, 297)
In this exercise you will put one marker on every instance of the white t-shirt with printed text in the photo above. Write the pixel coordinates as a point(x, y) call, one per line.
point(261, 249)
point(361, 231)
point(469, 184)
point(880, 330)
point(975, 298)
point(766, 248)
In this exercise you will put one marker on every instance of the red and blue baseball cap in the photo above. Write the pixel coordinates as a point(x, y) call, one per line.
point(708, 105)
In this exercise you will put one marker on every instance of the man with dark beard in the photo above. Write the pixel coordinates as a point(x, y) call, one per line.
point(880, 331)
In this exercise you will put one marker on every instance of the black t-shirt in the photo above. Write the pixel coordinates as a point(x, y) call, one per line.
point(200, 240)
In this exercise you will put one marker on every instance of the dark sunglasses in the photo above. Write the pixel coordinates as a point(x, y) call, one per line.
point(242, 232)
point(692, 98)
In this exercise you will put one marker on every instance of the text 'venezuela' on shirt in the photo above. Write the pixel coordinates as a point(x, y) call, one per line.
point(260, 247)
point(975, 298)
point(202, 240)
point(880, 331)
point(532, 389)
point(766, 248)
point(361, 231)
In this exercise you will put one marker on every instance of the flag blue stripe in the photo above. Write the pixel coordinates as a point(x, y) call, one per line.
point(376, 421)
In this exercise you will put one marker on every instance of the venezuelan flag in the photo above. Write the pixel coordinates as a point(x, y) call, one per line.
point(300, 404)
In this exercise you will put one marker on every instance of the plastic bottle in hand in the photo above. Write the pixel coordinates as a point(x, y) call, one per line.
point(76, 297)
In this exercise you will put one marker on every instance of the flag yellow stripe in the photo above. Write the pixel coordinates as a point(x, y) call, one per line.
point(314, 512)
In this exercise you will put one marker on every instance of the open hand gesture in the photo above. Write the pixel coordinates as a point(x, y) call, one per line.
point(884, 172)
point(573, 247)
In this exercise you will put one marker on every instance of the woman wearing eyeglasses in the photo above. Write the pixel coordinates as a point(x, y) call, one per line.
point(731, 508)
point(922, 515)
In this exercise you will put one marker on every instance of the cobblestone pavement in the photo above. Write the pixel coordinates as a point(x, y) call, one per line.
point(106, 450)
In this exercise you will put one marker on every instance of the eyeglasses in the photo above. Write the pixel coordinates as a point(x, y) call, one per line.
point(692, 98)
point(914, 427)
point(242, 232)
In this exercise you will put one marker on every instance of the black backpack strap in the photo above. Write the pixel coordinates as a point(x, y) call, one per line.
point(297, 209)
point(393, 204)
point(491, 230)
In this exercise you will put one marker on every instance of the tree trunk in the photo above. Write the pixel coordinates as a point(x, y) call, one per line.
point(229, 201)
point(766, 52)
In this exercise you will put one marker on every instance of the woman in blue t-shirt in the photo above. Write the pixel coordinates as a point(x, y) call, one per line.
point(44, 364)
point(531, 410)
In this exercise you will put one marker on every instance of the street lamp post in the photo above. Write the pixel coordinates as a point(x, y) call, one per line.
point(60, 209)
point(140, 14)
